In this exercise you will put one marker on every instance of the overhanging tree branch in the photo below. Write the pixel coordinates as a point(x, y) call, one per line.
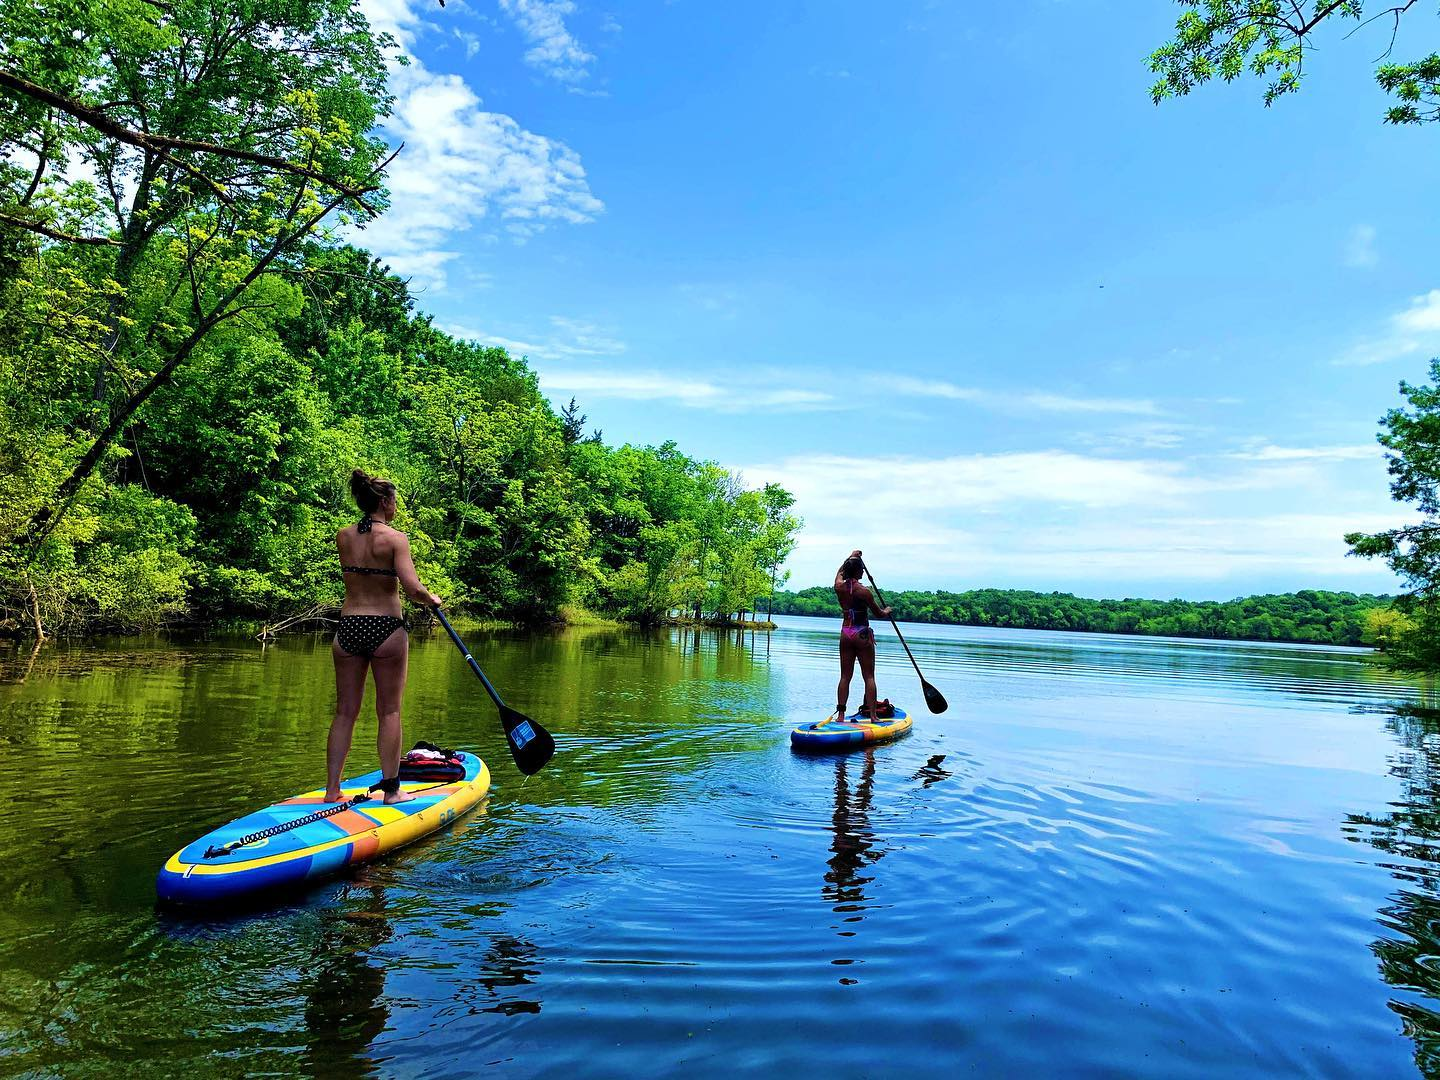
point(159, 144)
point(55, 234)
point(48, 516)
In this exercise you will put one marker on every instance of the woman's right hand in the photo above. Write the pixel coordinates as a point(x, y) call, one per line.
point(856, 553)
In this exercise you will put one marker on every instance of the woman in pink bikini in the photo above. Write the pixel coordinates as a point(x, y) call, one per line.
point(857, 640)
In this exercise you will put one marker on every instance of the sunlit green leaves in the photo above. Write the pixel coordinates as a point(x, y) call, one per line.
point(1269, 39)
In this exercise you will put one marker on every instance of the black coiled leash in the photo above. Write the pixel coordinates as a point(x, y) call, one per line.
point(275, 830)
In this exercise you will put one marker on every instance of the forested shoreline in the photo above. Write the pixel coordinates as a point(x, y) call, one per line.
point(193, 358)
point(222, 504)
point(1310, 615)
point(194, 354)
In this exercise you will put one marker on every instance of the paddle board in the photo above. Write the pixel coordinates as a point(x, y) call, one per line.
point(213, 869)
point(853, 731)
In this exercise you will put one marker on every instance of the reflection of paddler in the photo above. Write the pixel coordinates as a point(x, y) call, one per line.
point(510, 963)
point(345, 1008)
point(931, 772)
point(853, 845)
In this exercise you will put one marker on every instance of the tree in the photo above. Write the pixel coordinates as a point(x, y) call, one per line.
point(1411, 437)
point(781, 528)
point(572, 422)
point(216, 138)
point(1270, 39)
point(1385, 627)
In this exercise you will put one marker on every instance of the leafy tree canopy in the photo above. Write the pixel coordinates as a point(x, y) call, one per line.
point(1270, 39)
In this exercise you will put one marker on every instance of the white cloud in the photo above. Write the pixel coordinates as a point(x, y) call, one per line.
point(393, 17)
point(1414, 330)
point(932, 388)
point(902, 488)
point(1138, 435)
point(718, 299)
point(1054, 519)
point(738, 394)
point(553, 49)
point(1360, 250)
point(568, 339)
point(1061, 403)
point(1422, 316)
point(1017, 402)
point(462, 165)
point(469, 40)
point(1308, 453)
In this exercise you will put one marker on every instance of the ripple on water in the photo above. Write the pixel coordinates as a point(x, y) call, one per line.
point(1152, 858)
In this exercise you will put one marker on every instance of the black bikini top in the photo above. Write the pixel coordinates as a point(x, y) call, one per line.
point(377, 571)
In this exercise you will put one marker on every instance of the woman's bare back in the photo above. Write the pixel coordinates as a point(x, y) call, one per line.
point(375, 549)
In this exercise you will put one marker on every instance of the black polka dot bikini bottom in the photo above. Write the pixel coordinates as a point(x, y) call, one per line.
point(361, 635)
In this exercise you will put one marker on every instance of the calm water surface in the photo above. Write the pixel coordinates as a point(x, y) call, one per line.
point(1112, 856)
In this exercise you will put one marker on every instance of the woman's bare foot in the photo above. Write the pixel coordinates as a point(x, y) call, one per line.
point(398, 796)
point(334, 796)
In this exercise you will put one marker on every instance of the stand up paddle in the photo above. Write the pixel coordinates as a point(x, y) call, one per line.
point(530, 744)
point(933, 698)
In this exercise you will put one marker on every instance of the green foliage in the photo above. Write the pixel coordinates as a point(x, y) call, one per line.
point(1417, 85)
point(1411, 438)
point(1269, 39)
point(225, 500)
point(190, 367)
point(1387, 627)
point(1331, 618)
point(215, 138)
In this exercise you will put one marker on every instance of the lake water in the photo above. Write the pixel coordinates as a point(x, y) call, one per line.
point(1111, 856)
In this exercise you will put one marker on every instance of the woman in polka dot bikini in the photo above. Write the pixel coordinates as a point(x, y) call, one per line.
point(371, 635)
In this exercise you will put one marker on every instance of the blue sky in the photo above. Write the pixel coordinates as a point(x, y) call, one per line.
point(941, 269)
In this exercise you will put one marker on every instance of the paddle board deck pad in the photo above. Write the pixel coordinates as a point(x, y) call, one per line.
point(210, 871)
point(853, 731)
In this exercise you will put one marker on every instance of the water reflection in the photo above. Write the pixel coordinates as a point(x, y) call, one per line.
point(1060, 856)
point(853, 847)
point(931, 773)
point(510, 962)
point(1410, 836)
point(345, 1007)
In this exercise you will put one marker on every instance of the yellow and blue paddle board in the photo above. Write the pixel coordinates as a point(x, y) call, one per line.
point(214, 869)
point(854, 731)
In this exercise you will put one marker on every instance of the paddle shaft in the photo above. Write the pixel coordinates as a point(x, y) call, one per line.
point(475, 667)
point(881, 597)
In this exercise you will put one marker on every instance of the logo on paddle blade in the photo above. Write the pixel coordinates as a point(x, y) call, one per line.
point(521, 734)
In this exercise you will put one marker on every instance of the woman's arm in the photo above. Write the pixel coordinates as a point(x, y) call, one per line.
point(876, 609)
point(409, 579)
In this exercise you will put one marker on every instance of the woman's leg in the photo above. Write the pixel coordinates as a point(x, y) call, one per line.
point(847, 669)
point(349, 692)
point(389, 665)
point(865, 652)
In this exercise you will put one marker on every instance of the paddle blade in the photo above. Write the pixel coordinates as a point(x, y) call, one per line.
point(934, 698)
point(530, 744)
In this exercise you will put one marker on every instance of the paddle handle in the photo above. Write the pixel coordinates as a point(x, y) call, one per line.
point(474, 666)
point(881, 597)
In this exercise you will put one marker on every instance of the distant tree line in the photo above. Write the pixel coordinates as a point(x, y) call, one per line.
point(1311, 615)
point(1228, 39)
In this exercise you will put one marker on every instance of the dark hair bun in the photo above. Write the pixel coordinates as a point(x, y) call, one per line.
point(369, 491)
